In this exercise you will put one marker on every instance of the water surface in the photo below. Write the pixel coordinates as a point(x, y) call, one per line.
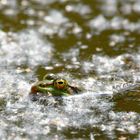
point(93, 44)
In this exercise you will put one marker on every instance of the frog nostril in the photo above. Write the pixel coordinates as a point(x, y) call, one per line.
point(60, 82)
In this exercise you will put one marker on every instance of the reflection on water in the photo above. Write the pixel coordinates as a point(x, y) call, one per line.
point(94, 44)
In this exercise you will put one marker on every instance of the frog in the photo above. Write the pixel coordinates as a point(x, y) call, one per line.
point(52, 85)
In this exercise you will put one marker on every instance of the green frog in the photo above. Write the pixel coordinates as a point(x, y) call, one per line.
point(52, 85)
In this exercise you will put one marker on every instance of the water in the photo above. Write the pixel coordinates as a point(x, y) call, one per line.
point(93, 44)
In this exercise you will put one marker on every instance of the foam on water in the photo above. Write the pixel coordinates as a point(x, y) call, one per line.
point(24, 48)
point(53, 22)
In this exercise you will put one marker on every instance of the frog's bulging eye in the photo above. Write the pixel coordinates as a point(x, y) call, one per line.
point(60, 83)
point(42, 85)
point(49, 77)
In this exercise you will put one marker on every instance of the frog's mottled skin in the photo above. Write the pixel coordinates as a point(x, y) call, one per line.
point(52, 85)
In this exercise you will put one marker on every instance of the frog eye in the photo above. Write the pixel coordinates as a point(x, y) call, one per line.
point(49, 77)
point(60, 83)
point(40, 84)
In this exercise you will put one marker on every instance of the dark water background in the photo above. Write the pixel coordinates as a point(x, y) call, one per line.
point(92, 43)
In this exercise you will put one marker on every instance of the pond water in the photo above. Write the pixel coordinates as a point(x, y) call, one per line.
point(94, 44)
